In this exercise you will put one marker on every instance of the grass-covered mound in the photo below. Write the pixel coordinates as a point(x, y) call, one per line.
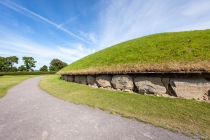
point(165, 52)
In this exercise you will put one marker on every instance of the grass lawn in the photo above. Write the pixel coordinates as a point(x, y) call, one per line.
point(187, 51)
point(189, 117)
point(6, 82)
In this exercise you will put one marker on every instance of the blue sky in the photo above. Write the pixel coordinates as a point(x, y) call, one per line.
point(71, 29)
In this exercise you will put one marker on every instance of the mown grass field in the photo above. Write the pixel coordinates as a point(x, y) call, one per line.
point(189, 117)
point(187, 51)
point(6, 82)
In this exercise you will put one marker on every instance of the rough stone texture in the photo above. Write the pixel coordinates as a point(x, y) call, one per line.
point(65, 77)
point(81, 80)
point(91, 80)
point(76, 79)
point(104, 81)
point(165, 82)
point(62, 77)
point(70, 78)
point(150, 85)
point(190, 88)
point(94, 85)
point(122, 82)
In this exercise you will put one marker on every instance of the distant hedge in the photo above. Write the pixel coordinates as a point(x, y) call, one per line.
point(25, 73)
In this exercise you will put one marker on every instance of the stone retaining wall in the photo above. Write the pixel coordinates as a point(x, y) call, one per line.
point(188, 88)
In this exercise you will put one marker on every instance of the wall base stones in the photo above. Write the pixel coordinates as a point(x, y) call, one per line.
point(188, 88)
point(122, 82)
point(150, 85)
point(104, 81)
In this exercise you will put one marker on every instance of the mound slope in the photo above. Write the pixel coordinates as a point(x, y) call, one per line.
point(187, 51)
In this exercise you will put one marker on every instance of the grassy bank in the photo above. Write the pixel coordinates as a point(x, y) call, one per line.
point(187, 116)
point(6, 82)
point(187, 51)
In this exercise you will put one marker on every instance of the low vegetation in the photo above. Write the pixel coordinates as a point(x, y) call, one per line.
point(6, 82)
point(26, 73)
point(186, 116)
point(186, 51)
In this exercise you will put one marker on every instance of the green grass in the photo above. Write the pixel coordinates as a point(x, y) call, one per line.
point(6, 82)
point(186, 116)
point(172, 51)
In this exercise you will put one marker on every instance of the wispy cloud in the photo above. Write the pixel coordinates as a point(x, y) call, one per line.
point(68, 21)
point(90, 36)
point(197, 8)
point(38, 17)
point(123, 19)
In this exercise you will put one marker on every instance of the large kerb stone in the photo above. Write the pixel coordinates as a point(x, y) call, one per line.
point(104, 81)
point(91, 80)
point(150, 85)
point(123, 82)
point(70, 78)
point(190, 88)
point(81, 80)
point(65, 77)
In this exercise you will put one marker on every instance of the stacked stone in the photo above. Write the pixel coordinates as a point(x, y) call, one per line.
point(188, 88)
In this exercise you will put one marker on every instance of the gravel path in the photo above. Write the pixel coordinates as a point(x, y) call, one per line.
point(28, 113)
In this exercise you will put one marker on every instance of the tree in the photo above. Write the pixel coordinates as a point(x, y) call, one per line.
point(56, 65)
point(22, 68)
point(29, 63)
point(43, 68)
point(6, 64)
point(11, 60)
point(13, 69)
point(2, 63)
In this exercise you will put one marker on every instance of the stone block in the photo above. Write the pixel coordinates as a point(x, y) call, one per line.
point(91, 80)
point(190, 88)
point(104, 81)
point(122, 82)
point(150, 85)
point(81, 80)
point(70, 78)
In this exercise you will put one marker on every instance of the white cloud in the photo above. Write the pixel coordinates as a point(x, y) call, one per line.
point(91, 36)
point(20, 46)
point(124, 19)
point(80, 47)
point(197, 8)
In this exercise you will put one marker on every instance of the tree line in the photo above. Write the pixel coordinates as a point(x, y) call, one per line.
point(7, 64)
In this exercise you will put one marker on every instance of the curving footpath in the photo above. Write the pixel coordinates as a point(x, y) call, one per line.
point(29, 113)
